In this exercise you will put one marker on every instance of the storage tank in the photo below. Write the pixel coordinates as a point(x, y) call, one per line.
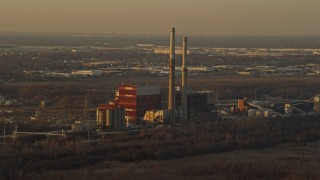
point(109, 117)
point(252, 113)
point(97, 116)
point(268, 113)
point(260, 113)
point(102, 118)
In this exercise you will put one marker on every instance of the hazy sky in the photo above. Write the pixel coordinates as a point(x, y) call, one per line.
point(212, 17)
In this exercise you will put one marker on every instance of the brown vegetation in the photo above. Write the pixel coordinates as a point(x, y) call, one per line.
point(164, 144)
point(71, 94)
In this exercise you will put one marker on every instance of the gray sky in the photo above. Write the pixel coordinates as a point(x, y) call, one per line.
point(211, 17)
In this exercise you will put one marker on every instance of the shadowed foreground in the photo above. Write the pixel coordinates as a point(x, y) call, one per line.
point(287, 161)
point(242, 151)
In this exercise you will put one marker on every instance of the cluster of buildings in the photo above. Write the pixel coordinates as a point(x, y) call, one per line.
point(98, 66)
point(269, 107)
point(173, 106)
point(297, 70)
point(150, 103)
point(232, 51)
point(262, 52)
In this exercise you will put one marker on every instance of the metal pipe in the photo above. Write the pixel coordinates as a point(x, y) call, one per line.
point(184, 94)
point(171, 93)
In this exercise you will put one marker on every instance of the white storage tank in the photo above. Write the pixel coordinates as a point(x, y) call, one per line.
point(97, 116)
point(102, 118)
point(260, 113)
point(109, 117)
point(268, 113)
point(252, 113)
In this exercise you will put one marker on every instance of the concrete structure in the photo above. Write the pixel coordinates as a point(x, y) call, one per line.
point(171, 93)
point(268, 113)
point(111, 117)
point(184, 70)
point(252, 113)
point(260, 113)
point(101, 116)
point(198, 102)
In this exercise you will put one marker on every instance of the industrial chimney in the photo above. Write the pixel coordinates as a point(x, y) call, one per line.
point(184, 94)
point(171, 94)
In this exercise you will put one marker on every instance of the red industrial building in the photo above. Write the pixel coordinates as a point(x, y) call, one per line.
point(137, 99)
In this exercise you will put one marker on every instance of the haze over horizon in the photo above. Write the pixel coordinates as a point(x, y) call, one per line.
point(204, 17)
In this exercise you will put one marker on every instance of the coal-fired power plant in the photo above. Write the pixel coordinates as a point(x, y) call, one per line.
point(184, 93)
point(171, 93)
point(140, 103)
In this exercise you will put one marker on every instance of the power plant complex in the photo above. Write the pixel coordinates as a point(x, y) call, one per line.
point(137, 103)
point(137, 106)
point(147, 102)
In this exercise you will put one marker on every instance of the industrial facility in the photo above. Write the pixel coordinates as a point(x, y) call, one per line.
point(178, 105)
point(270, 107)
point(137, 106)
point(144, 102)
point(148, 102)
point(111, 117)
point(199, 102)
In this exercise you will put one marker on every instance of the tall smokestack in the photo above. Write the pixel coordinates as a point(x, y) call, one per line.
point(184, 94)
point(171, 94)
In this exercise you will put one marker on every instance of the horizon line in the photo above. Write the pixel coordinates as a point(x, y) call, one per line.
point(157, 34)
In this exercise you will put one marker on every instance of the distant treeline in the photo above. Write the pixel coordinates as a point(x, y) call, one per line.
point(44, 39)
